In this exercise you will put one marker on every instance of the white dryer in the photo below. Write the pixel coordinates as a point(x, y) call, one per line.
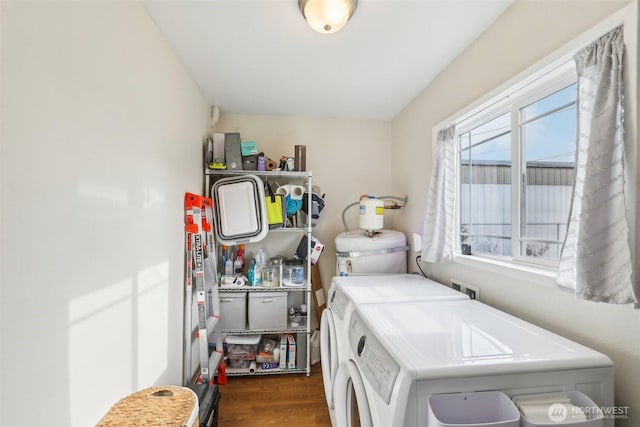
point(331, 324)
point(401, 354)
point(348, 291)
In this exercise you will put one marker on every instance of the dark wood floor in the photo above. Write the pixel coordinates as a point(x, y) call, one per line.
point(284, 400)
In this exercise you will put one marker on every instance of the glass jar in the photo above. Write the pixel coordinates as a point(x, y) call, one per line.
point(294, 273)
point(276, 262)
point(271, 275)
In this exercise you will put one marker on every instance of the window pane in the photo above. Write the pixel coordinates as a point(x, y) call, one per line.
point(485, 180)
point(548, 145)
point(561, 97)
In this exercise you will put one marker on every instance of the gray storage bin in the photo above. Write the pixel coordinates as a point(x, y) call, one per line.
point(570, 408)
point(481, 409)
point(233, 310)
point(268, 311)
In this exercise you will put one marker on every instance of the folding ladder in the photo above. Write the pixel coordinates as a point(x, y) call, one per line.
point(200, 271)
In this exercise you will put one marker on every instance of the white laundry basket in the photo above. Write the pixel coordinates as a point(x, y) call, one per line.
point(383, 253)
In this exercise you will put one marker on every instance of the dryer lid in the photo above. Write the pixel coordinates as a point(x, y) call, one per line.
point(462, 338)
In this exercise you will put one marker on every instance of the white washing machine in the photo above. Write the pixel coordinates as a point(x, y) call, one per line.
point(348, 291)
point(401, 354)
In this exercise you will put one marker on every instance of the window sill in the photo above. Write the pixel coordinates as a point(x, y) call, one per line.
point(534, 274)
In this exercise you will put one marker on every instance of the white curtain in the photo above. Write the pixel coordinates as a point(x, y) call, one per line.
point(437, 243)
point(595, 260)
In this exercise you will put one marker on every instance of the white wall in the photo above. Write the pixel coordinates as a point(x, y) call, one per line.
point(347, 157)
point(101, 136)
point(527, 32)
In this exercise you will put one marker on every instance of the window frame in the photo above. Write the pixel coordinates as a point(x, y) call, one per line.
point(539, 274)
point(558, 83)
point(511, 101)
point(462, 128)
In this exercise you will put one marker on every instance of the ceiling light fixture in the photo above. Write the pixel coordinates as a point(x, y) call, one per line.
point(327, 16)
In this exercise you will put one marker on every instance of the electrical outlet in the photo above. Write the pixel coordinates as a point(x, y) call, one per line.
point(416, 242)
point(473, 292)
point(456, 286)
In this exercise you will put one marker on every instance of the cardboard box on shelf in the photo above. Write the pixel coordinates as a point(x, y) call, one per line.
point(318, 291)
point(283, 352)
point(291, 352)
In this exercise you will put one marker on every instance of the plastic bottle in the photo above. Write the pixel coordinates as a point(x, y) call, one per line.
point(371, 214)
point(251, 274)
point(261, 258)
point(238, 264)
point(255, 274)
point(223, 257)
point(228, 268)
point(261, 262)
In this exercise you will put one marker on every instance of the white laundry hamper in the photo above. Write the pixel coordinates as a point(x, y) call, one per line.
point(383, 253)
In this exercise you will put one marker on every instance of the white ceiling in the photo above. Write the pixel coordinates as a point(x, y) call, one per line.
point(260, 57)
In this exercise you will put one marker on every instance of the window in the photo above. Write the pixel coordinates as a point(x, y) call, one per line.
point(516, 171)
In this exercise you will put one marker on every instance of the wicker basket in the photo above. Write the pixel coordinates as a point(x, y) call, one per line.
point(155, 406)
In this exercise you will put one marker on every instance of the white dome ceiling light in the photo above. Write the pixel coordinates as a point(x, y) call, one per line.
point(327, 16)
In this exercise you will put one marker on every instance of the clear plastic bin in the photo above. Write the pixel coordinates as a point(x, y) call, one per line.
point(482, 409)
point(242, 347)
point(571, 408)
point(239, 362)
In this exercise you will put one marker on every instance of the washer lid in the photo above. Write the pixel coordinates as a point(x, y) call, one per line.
point(394, 288)
point(462, 338)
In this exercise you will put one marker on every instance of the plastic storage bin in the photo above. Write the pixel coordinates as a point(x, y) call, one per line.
point(482, 409)
point(242, 349)
point(268, 354)
point(293, 273)
point(239, 214)
point(233, 310)
point(268, 310)
point(570, 408)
